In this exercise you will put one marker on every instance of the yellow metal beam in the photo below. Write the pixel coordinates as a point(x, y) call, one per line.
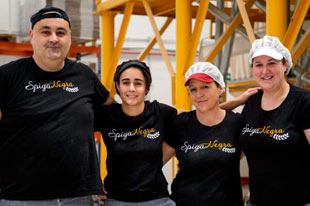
point(173, 166)
point(183, 32)
point(173, 90)
point(107, 42)
point(150, 45)
point(232, 90)
point(173, 94)
point(107, 48)
point(211, 29)
point(276, 16)
point(200, 18)
point(230, 29)
point(302, 45)
point(241, 84)
point(103, 159)
point(296, 23)
point(120, 40)
point(110, 4)
point(166, 8)
point(158, 37)
point(246, 21)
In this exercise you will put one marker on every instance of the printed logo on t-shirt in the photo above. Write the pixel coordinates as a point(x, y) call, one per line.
point(277, 134)
point(66, 86)
point(222, 146)
point(147, 133)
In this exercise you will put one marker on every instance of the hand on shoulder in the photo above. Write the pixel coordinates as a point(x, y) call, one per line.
point(240, 100)
point(247, 94)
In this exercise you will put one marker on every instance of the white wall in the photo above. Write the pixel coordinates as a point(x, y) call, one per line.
point(9, 17)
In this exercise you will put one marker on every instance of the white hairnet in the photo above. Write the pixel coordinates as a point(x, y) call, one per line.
point(270, 46)
point(208, 69)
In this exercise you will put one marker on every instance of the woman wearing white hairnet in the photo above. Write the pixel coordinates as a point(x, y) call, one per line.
point(205, 141)
point(276, 136)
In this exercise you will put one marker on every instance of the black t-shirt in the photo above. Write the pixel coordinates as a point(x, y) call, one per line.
point(47, 149)
point(277, 150)
point(134, 151)
point(208, 161)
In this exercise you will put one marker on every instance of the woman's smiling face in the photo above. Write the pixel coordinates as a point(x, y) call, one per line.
point(204, 95)
point(269, 72)
point(132, 87)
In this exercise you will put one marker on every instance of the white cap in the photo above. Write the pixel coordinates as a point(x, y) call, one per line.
point(270, 46)
point(208, 69)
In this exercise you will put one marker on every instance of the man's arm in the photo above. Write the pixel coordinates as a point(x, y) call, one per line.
point(0, 115)
point(240, 100)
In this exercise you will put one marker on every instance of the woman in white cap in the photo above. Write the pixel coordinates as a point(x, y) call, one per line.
point(205, 141)
point(133, 132)
point(276, 136)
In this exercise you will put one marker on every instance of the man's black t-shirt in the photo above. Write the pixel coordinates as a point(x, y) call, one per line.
point(208, 161)
point(134, 151)
point(277, 150)
point(47, 149)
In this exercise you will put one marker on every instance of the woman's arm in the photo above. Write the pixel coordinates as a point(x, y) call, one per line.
point(240, 100)
point(307, 133)
point(168, 152)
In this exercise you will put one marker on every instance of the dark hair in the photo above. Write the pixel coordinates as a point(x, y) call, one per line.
point(283, 60)
point(136, 64)
point(49, 12)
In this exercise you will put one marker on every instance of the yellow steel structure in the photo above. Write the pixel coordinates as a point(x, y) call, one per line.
point(302, 45)
point(195, 37)
point(229, 31)
point(119, 44)
point(183, 11)
point(246, 20)
point(276, 18)
point(158, 37)
point(296, 22)
point(147, 49)
point(183, 39)
point(107, 21)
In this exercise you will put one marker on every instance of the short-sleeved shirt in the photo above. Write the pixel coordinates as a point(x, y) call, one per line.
point(277, 150)
point(134, 151)
point(47, 149)
point(209, 159)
